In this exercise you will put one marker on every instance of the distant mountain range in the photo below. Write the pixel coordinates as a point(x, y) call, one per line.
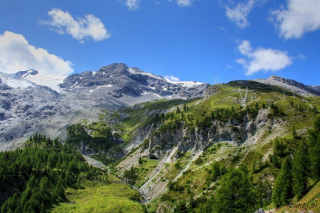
point(31, 102)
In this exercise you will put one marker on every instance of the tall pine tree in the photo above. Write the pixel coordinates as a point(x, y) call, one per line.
point(282, 190)
point(300, 167)
point(314, 142)
point(236, 193)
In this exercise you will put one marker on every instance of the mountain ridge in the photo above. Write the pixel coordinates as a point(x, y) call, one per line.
point(27, 108)
point(294, 86)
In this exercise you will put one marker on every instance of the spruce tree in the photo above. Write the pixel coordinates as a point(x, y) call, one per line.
point(178, 110)
point(215, 171)
point(181, 207)
point(223, 169)
point(294, 132)
point(140, 160)
point(282, 190)
point(300, 166)
point(32, 181)
point(315, 160)
point(212, 115)
point(263, 192)
point(79, 182)
point(236, 193)
point(314, 142)
point(253, 166)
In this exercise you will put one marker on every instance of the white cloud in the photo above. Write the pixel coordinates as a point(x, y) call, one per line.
point(222, 29)
point(80, 29)
point(245, 48)
point(301, 56)
point(132, 4)
point(172, 78)
point(301, 16)
point(16, 54)
point(262, 59)
point(239, 13)
point(184, 3)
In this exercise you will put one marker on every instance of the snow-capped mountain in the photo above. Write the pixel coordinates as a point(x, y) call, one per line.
point(31, 102)
point(14, 82)
point(51, 81)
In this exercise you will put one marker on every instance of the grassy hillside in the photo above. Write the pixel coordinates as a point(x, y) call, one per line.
point(100, 196)
point(142, 114)
point(196, 184)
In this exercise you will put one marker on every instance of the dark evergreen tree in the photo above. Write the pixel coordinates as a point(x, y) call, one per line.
point(253, 166)
point(294, 132)
point(236, 193)
point(263, 192)
point(178, 110)
point(79, 182)
point(215, 171)
point(300, 167)
point(212, 115)
point(181, 207)
point(314, 142)
point(282, 190)
point(140, 160)
point(184, 107)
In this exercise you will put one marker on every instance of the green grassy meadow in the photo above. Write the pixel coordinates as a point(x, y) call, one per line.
point(101, 196)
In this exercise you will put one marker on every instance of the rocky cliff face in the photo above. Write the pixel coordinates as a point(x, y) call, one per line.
point(200, 139)
point(27, 108)
point(168, 146)
point(292, 85)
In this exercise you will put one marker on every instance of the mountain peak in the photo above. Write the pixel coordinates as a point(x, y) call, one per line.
point(14, 82)
point(115, 68)
point(23, 74)
point(289, 84)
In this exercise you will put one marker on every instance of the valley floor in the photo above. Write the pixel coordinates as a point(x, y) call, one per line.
point(99, 196)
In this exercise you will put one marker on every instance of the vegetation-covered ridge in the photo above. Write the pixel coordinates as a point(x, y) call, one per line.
point(166, 162)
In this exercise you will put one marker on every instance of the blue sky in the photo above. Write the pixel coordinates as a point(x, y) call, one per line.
point(185, 39)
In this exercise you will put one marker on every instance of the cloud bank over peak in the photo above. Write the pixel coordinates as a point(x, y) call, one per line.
point(80, 29)
point(262, 59)
point(16, 54)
